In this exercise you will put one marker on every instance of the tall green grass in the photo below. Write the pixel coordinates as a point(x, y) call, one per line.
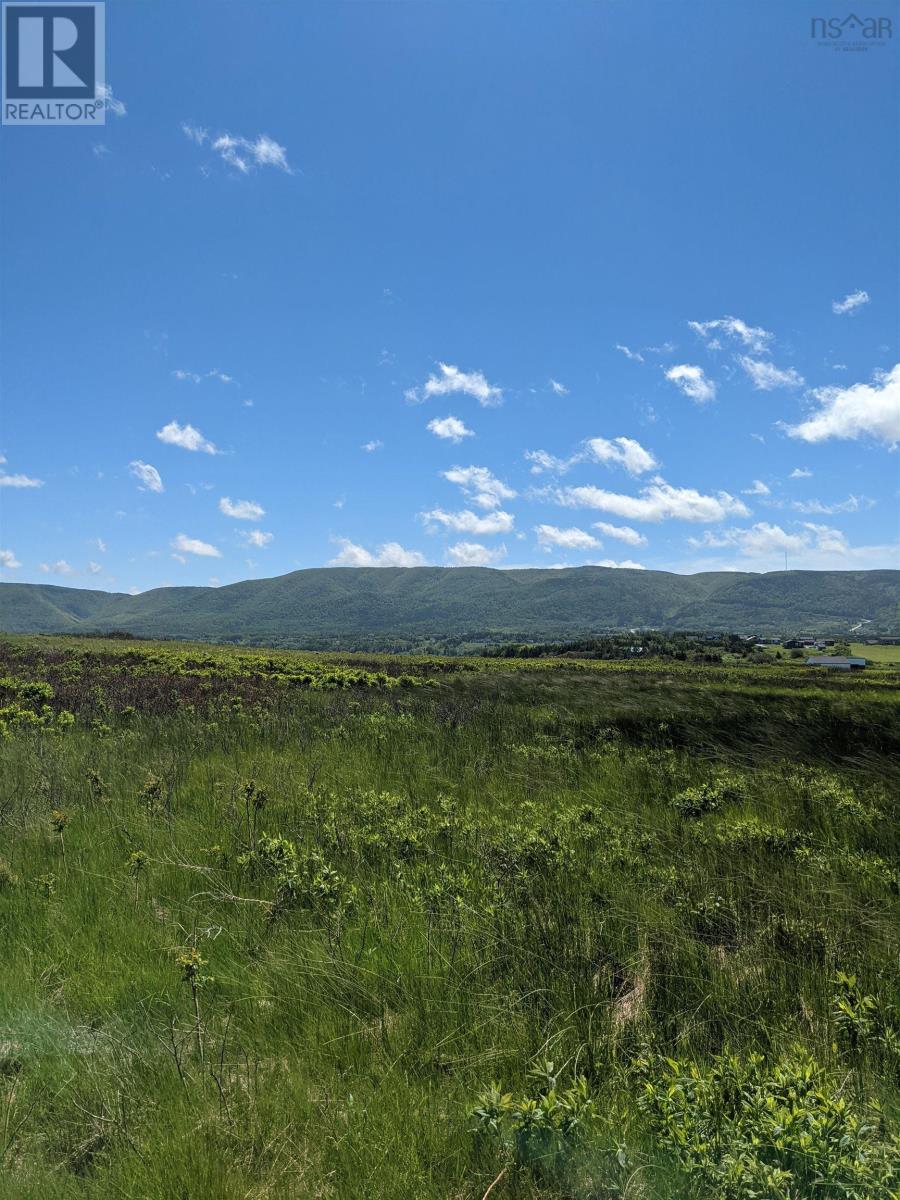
point(395, 897)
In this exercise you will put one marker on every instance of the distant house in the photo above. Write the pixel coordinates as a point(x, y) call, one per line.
point(836, 662)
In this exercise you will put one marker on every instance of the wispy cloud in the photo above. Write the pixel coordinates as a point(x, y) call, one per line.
point(765, 376)
point(149, 479)
point(183, 544)
point(623, 533)
point(557, 388)
point(257, 538)
point(244, 154)
point(17, 481)
point(371, 447)
point(633, 355)
point(480, 486)
point(496, 521)
point(759, 540)
point(659, 501)
point(542, 461)
point(187, 437)
point(819, 508)
point(198, 376)
point(450, 379)
point(60, 567)
point(450, 429)
point(621, 451)
point(624, 452)
point(849, 304)
point(692, 381)
point(241, 510)
point(104, 93)
point(8, 561)
point(391, 554)
point(756, 488)
point(734, 328)
point(764, 540)
point(473, 554)
point(549, 536)
point(800, 473)
point(861, 410)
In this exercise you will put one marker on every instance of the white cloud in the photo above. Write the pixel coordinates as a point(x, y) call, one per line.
point(194, 377)
point(479, 486)
point(104, 93)
point(449, 428)
point(61, 567)
point(630, 354)
point(757, 488)
point(558, 389)
point(185, 436)
point(391, 554)
point(467, 521)
point(541, 461)
point(759, 540)
point(860, 410)
point(186, 545)
point(765, 376)
point(657, 502)
point(256, 537)
point(18, 481)
point(150, 479)
point(692, 382)
point(100, 544)
point(751, 336)
point(850, 303)
point(8, 561)
point(623, 451)
point(473, 554)
point(828, 540)
point(568, 539)
point(627, 564)
point(624, 533)
point(817, 508)
point(763, 540)
point(371, 447)
point(94, 568)
point(244, 154)
point(451, 379)
point(241, 510)
point(800, 473)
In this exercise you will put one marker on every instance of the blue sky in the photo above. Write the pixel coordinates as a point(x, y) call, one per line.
point(484, 283)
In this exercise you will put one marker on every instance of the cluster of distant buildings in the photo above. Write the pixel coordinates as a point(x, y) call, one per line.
point(834, 662)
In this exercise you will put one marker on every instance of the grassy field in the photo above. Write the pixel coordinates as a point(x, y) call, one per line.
point(281, 925)
point(877, 654)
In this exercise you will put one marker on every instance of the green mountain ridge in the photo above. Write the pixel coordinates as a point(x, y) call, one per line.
point(344, 602)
